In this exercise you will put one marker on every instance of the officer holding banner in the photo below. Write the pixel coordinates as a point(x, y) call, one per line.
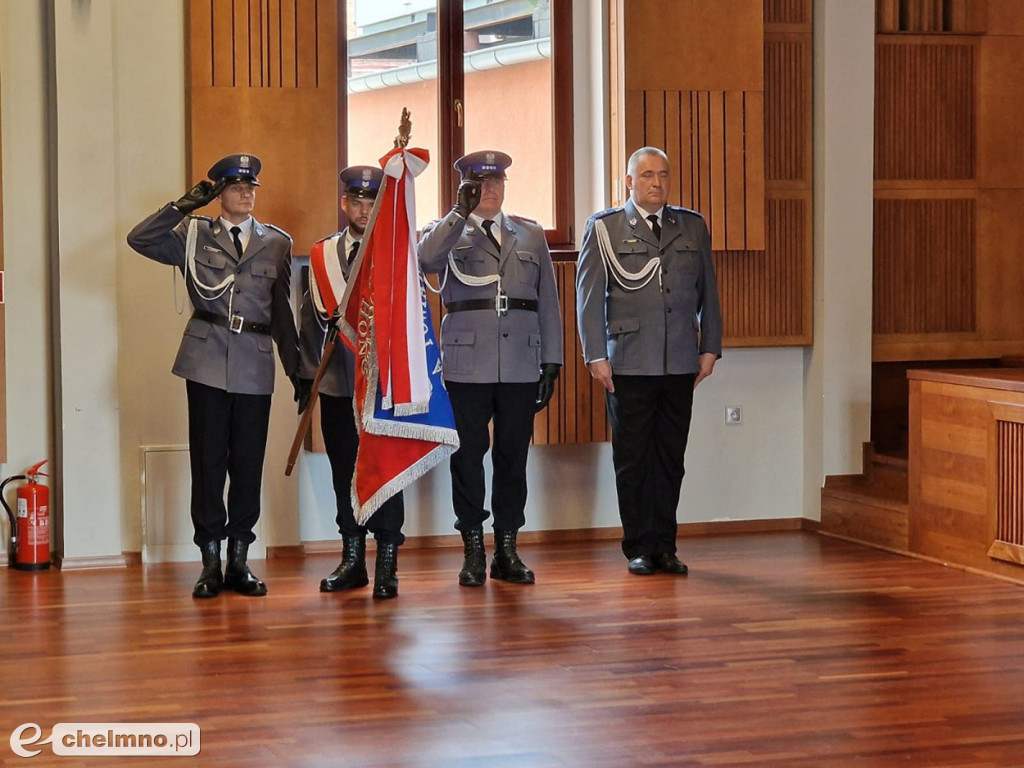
point(337, 418)
point(501, 343)
point(238, 275)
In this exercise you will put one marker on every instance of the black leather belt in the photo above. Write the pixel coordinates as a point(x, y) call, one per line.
point(235, 324)
point(497, 304)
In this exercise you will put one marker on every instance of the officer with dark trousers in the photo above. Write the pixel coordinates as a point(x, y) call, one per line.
point(337, 418)
point(238, 275)
point(650, 323)
point(501, 345)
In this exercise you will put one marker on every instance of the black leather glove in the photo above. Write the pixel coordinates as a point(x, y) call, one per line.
point(201, 194)
point(546, 385)
point(467, 198)
point(302, 387)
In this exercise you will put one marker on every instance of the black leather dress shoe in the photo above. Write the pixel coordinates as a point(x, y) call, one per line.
point(641, 565)
point(669, 563)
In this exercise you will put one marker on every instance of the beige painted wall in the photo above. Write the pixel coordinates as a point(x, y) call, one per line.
point(119, 326)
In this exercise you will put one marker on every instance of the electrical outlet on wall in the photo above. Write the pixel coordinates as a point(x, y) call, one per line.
point(733, 414)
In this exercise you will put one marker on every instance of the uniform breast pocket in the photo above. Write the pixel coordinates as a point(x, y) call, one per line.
point(685, 257)
point(211, 266)
point(529, 265)
point(268, 271)
point(457, 352)
point(468, 261)
point(624, 341)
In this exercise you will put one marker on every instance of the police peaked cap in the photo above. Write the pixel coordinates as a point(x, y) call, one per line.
point(362, 180)
point(236, 168)
point(485, 163)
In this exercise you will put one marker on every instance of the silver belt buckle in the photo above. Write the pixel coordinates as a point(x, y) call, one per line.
point(501, 303)
point(236, 323)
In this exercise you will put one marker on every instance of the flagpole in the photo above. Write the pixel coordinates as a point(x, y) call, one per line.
point(314, 390)
point(401, 142)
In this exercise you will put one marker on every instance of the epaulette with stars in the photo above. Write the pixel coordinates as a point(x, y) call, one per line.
point(606, 212)
point(277, 229)
point(523, 219)
point(681, 209)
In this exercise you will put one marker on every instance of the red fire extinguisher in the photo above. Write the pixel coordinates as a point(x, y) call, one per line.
point(30, 529)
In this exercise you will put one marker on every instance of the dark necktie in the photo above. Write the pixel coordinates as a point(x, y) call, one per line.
point(655, 226)
point(353, 251)
point(488, 223)
point(235, 232)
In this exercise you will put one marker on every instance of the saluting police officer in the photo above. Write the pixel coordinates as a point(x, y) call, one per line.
point(651, 327)
point(501, 343)
point(337, 419)
point(238, 274)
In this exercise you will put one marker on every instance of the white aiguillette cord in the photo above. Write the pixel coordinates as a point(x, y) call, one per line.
point(212, 292)
point(618, 272)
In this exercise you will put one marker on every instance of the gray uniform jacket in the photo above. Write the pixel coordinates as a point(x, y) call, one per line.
point(210, 354)
point(480, 346)
point(339, 379)
point(663, 327)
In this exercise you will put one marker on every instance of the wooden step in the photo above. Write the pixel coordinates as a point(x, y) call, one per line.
point(871, 514)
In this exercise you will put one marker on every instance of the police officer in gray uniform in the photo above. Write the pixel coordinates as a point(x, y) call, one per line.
point(649, 319)
point(501, 344)
point(337, 419)
point(238, 274)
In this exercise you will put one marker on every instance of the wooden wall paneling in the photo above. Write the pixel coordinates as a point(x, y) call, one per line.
point(924, 273)
point(734, 161)
point(787, 13)
point(292, 129)
point(753, 178)
point(1000, 309)
point(787, 105)
point(924, 108)
point(932, 16)
point(718, 182)
point(1006, 483)
point(1000, 95)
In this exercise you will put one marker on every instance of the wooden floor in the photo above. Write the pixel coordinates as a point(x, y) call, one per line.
point(788, 649)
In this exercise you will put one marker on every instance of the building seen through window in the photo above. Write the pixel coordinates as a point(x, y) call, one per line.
point(393, 56)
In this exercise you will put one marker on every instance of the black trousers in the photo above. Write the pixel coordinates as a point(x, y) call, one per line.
point(650, 420)
point(341, 439)
point(227, 440)
point(511, 406)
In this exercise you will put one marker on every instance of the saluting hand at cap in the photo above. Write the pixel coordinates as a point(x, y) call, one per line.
point(467, 198)
point(201, 194)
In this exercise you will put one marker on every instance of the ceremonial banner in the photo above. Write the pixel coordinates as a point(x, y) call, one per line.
point(405, 420)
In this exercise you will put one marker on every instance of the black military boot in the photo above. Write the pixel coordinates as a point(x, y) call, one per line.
point(474, 563)
point(506, 565)
point(211, 580)
point(351, 571)
point(385, 573)
point(237, 575)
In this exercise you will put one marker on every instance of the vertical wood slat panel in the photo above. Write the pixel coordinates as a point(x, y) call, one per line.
point(257, 43)
point(924, 272)
point(762, 291)
point(576, 413)
point(787, 103)
point(1009, 511)
point(720, 135)
point(787, 12)
point(924, 111)
point(754, 175)
point(929, 16)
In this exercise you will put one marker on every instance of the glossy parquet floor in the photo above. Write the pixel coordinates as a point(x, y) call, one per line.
point(779, 650)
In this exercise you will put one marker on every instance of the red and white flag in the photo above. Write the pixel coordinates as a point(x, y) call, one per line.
point(405, 420)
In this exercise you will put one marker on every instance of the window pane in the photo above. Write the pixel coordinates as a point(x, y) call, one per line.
point(508, 74)
point(392, 63)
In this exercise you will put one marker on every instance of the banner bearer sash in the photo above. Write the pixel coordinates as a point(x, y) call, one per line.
point(404, 416)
